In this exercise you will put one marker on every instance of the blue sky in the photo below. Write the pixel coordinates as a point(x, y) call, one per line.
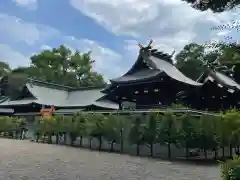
point(111, 29)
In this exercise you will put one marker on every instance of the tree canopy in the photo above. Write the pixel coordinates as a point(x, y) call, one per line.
point(214, 5)
point(59, 65)
point(191, 59)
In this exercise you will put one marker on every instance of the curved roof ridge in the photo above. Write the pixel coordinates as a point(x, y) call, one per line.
point(144, 74)
point(225, 80)
point(40, 82)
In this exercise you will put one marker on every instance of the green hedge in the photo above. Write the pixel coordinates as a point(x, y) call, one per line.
point(185, 131)
point(230, 170)
point(11, 126)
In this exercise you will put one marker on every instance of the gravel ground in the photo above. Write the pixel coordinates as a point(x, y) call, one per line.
point(31, 161)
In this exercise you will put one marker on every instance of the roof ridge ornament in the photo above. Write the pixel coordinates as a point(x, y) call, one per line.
point(173, 53)
point(149, 46)
point(147, 51)
point(217, 66)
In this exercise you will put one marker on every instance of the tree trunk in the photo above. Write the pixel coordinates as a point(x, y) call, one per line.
point(169, 151)
point(11, 134)
point(205, 153)
point(187, 151)
point(112, 146)
point(65, 138)
point(121, 140)
point(230, 150)
point(100, 143)
point(223, 151)
point(37, 138)
point(138, 149)
point(57, 138)
point(151, 149)
point(237, 151)
point(81, 139)
point(90, 143)
point(17, 135)
point(72, 139)
point(49, 138)
point(215, 153)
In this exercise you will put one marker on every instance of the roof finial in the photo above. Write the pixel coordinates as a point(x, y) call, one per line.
point(173, 53)
point(149, 46)
point(150, 43)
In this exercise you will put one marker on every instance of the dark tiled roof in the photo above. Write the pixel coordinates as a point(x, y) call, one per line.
point(144, 74)
point(156, 63)
point(172, 71)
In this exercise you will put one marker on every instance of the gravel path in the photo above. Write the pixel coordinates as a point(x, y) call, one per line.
point(31, 161)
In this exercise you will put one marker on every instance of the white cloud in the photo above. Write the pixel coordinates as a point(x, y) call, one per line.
point(15, 31)
point(30, 4)
point(45, 47)
point(223, 33)
point(107, 61)
point(12, 57)
point(171, 23)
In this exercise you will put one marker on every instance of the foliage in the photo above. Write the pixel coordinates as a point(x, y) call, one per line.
point(185, 131)
point(188, 133)
point(63, 66)
point(195, 59)
point(191, 56)
point(11, 126)
point(59, 65)
point(230, 170)
point(214, 5)
point(137, 132)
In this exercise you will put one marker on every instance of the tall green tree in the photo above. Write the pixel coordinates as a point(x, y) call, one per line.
point(206, 133)
point(188, 132)
point(136, 133)
point(150, 130)
point(63, 66)
point(188, 60)
point(97, 128)
point(112, 127)
point(169, 131)
point(231, 120)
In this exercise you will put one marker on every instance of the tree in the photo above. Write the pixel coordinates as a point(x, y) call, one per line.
point(150, 130)
point(189, 60)
point(206, 133)
point(81, 126)
point(96, 128)
point(231, 120)
point(73, 134)
point(136, 133)
point(214, 5)
point(188, 132)
point(168, 132)
point(196, 59)
point(46, 128)
point(112, 127)
point(61, 65)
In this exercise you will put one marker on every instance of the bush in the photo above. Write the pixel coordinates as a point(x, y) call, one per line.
point(11, 126)
point(230, 170)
